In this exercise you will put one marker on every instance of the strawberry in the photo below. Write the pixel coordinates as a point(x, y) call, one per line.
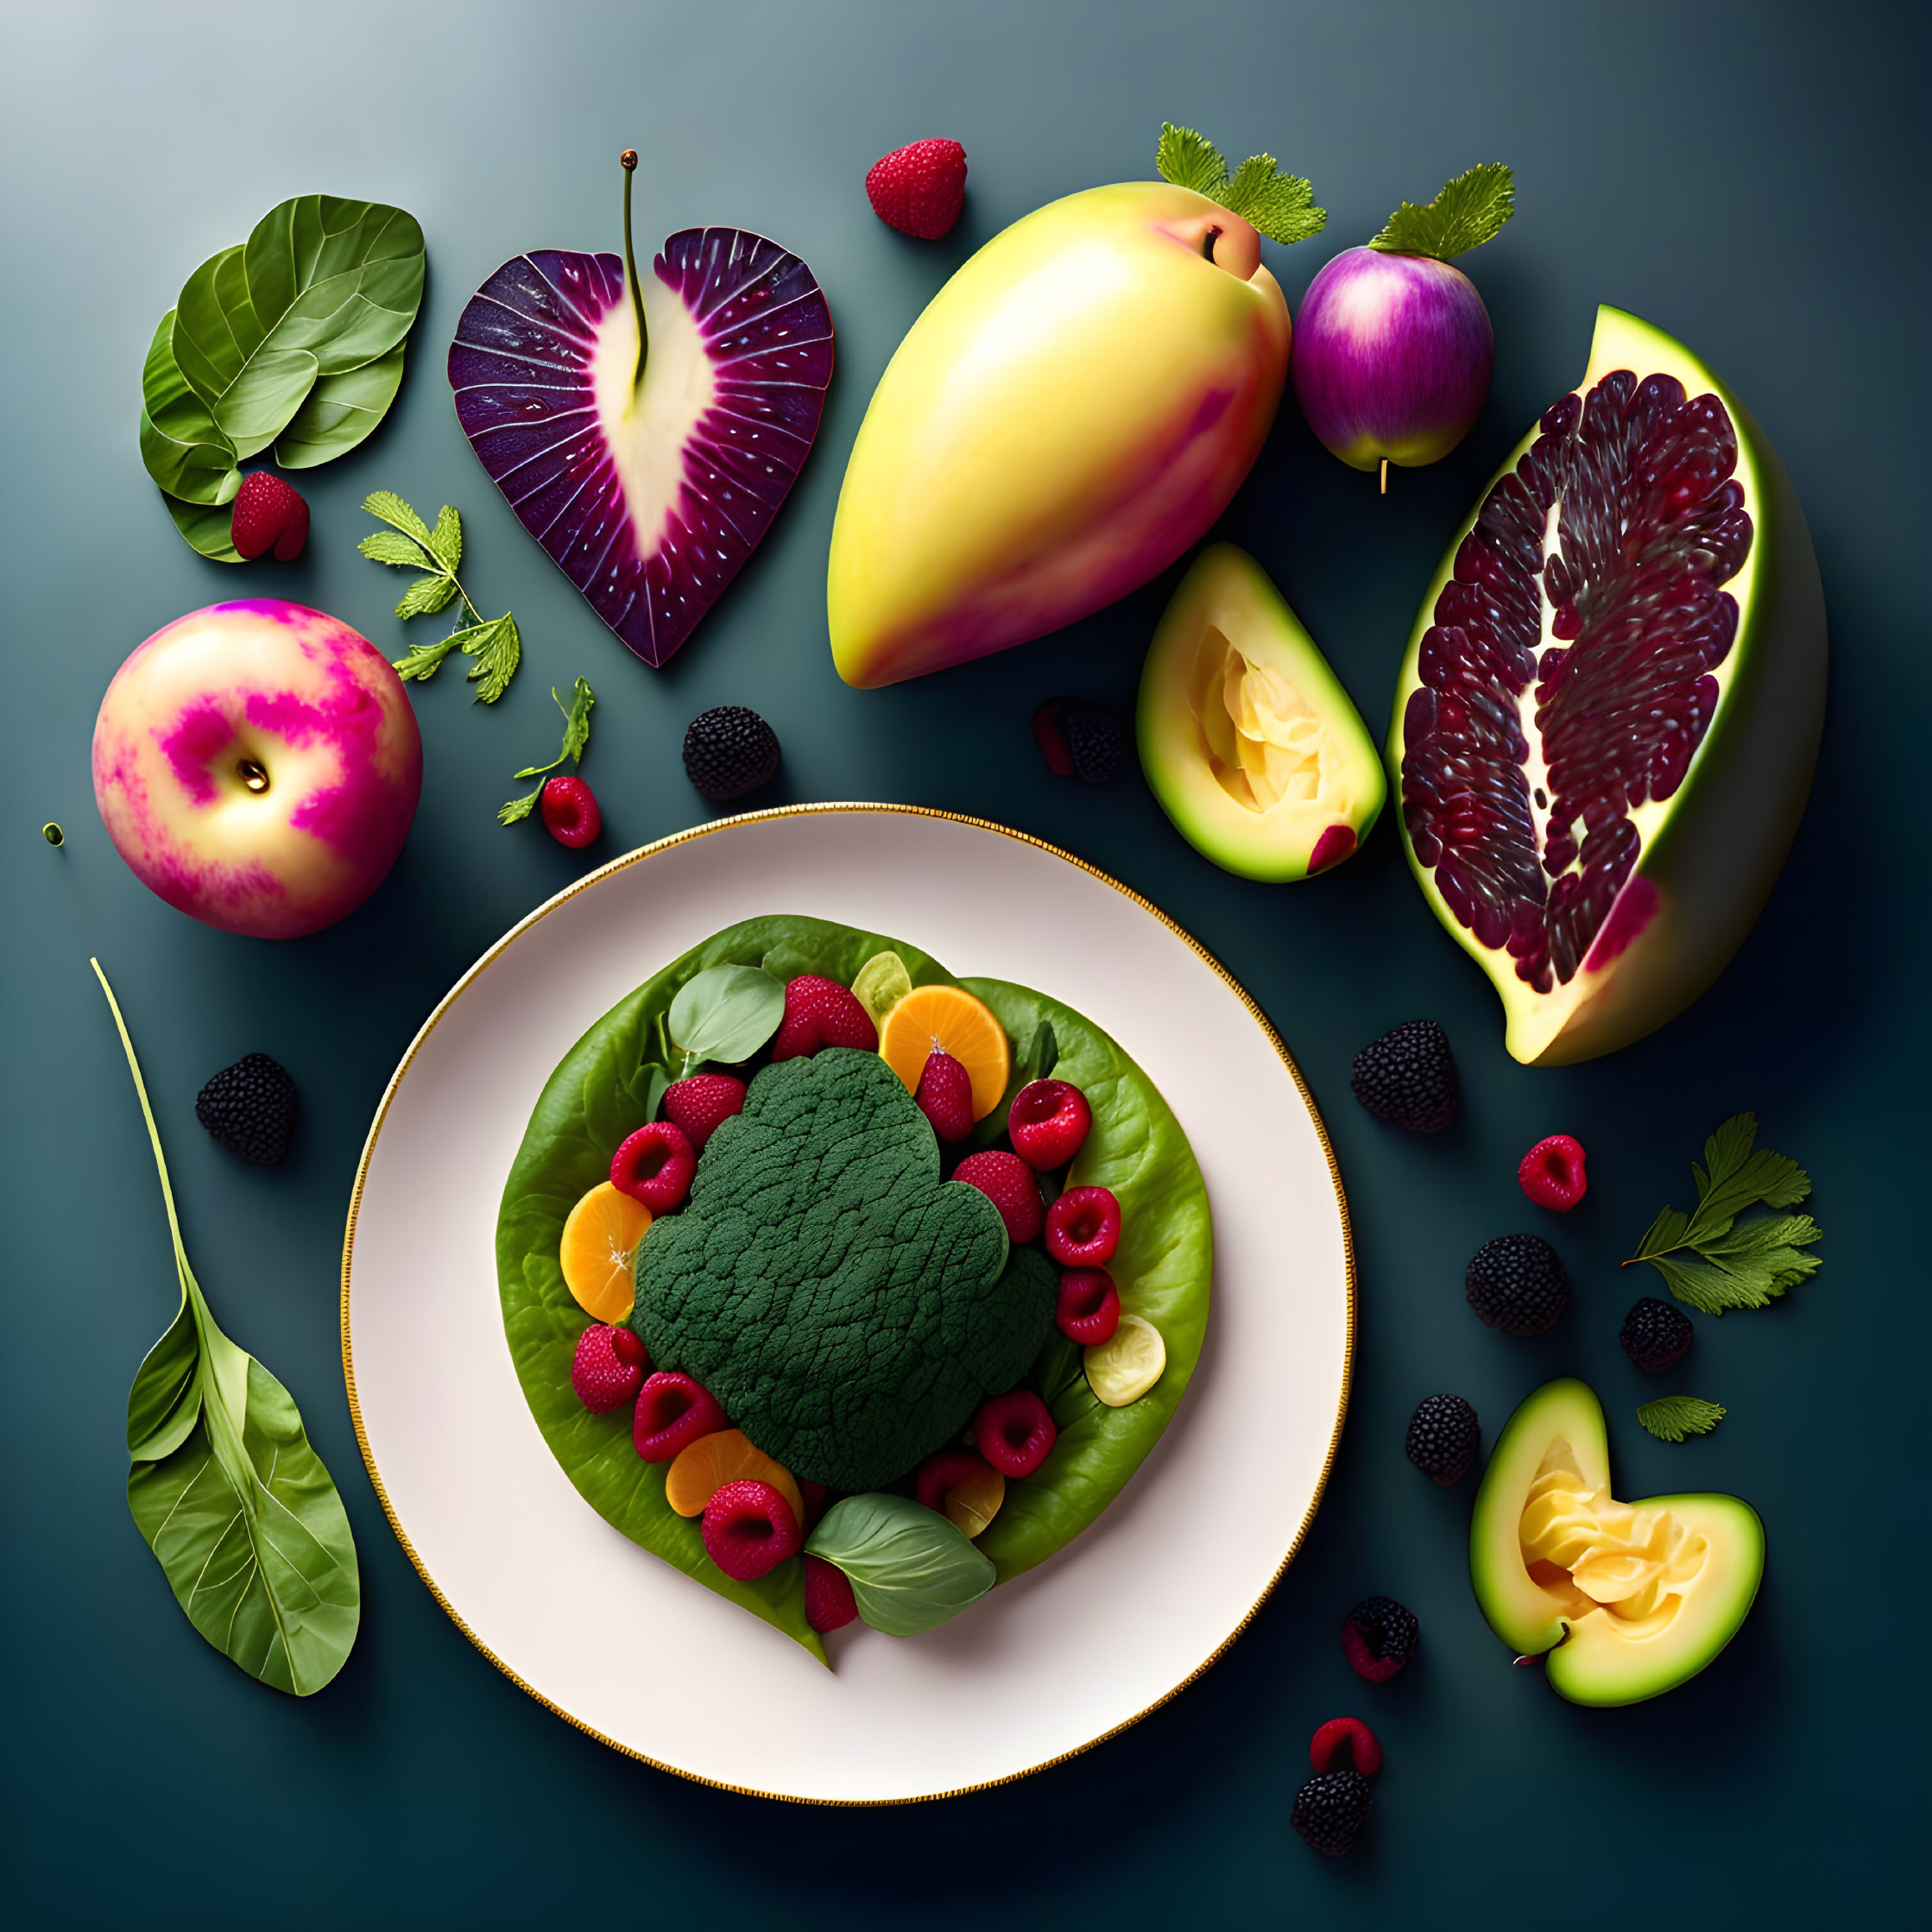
point(921, 189)
point(945, 1097)
point(822, 1013)
point(655, 1165)
point(570, 811)
point(828, 1592)
point(608, 1368)
point(1551, 1173)
point(268, 510)
point(1007, 1182)
point(701, 1104)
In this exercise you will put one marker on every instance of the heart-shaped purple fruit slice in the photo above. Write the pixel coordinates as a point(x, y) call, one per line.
point(646, 429)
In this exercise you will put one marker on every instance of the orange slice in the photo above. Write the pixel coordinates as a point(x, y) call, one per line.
point(948, 1020)
point(700, 1469)
point(600, 1240)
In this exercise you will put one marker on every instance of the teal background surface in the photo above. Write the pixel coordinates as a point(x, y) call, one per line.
point(1744, 175)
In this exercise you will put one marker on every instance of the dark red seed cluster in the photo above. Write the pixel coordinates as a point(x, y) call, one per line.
point(1652, 524)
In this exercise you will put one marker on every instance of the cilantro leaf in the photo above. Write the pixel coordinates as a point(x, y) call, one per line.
point(518, 808)
point(577, 736)
point(446, 540)
point(426, 596)
point(1281, 206)
point(1470, 211)
point(1672, 1418)
point(495, 649)
point(391, 546)
point(424, 659)
point(1709, 1259)
point(391, 509)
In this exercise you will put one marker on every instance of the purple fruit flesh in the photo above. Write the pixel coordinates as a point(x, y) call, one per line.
point(1530, 848)
point(1392, 358)
point(649, 490)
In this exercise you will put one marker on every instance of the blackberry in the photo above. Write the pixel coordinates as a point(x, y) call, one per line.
point(1443, 1436)
point(250, 1109)
point(1331, 1811)
point(730, 750)
point(1655, 1334)
point(1378, 1636)
point(1408, 1075)
point(1080, 738)
point(1516, 1283)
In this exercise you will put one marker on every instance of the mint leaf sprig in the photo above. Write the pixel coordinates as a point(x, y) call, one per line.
point(1737, 1263)
point(577, 736)
point(1670, 1418)
point(1470, 211)
point(492, 644)
point(1281, 206)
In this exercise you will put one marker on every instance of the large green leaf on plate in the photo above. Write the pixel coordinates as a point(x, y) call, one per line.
point(604, 1089)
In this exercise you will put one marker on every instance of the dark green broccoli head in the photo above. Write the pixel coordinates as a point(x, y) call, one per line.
point(848, 1307)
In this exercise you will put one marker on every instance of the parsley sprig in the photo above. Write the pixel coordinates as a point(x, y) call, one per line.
point(491, 644)
point(577, 736)
point(1470, 211)
point(1672, 1418)
point(1716, 1257)
point(1281, 206)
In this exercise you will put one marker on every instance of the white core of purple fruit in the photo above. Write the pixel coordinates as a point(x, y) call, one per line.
point(649, 428)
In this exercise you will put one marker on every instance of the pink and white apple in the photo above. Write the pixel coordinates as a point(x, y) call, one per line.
point(258, 764)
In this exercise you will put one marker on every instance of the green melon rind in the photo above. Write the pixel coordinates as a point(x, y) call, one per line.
point(1717, 854)
point(596, 1097)
point(1168, 741)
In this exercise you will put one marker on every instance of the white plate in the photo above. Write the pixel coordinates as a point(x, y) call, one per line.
point(638, 1654)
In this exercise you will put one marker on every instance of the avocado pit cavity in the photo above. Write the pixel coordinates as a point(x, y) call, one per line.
point(1638, 1565)
point(1263, 741)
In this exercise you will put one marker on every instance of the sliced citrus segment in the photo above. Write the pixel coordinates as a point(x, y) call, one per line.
point(1123, 1370)
point(702, 1468)
point(970, 1505)
point(600, 1241)
point(882, 982)
point(948, 1020)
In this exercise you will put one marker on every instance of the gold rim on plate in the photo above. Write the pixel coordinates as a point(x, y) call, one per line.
point(637, 857)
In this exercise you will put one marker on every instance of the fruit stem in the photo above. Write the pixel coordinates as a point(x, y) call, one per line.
point(1384, 476)
point(628, 162)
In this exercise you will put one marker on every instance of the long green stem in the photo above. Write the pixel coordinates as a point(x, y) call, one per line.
point(154, 1132)
point(627, 159)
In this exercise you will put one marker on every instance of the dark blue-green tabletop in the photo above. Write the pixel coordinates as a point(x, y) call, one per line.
point(1750, 177)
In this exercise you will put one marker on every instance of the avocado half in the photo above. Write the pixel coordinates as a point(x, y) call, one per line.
point(1622, 1600)
point(1247, 737)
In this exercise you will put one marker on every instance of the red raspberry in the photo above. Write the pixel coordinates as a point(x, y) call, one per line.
point(607, 1369)
point(268, 509)
point(748, 1528)
point(945, 1471)
point(1048, 1123)
point(1090, 1306)
point(822, 1013)
point(1352, 1738)
point(1007, 1182)
point(1052, 740)
point(570, 811)
point(1014, 1433)
point(672, 1412)
point(1551, 1173)
point(655, 1165)
point(919, 190)
point(698, 1107)
point(1083, 1227)
point(828, 1591)
point(945, 1097)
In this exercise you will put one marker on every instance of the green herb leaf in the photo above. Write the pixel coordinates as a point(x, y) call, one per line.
point(1672, 1418)
point(391, 509)
point(726, 1013)
point(577, 736)
point(426, 595)
point(446, 540)
point(1470, 211)
point(391, 546)
point(226, 1490)
point(495, 650)
point(1712, 1262)
point(1191, 160)
point(910, 1570)
point(518, 808)
point(424, 659)
point(1281, 206)
point(183, 449)
point(209, 528)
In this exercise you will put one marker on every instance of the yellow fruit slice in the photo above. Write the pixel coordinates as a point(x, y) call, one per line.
point(600, 1240)
point(948, 1020)
point(971, 1505)
point(882, 982)
point(700, 1469)
point(1123, 1368)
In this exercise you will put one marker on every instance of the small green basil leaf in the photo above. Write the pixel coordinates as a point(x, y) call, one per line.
point(1043, 1055)
point(909, 1568)
point(165, 1402)
point(726, 1012)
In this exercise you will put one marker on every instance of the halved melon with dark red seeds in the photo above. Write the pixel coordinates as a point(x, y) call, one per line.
point(1607, 722)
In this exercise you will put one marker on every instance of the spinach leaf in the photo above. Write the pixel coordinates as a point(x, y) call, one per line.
point(726, 1012)
point(909, 1568)
point(236, 1505)
point(183, 449)
point(597, 1096)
